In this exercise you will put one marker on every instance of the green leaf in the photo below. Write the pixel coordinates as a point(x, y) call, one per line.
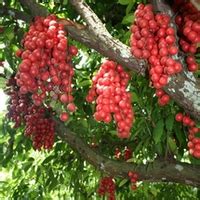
point(169, 122)
point(128, 19)
point(158, 131)
point(172, 145)
point(27, 166)
point(129, 7)
point(65, 2)
point(134, 97)
point(9, 33)
point(154, 191)
point(124, 2)
point(179, 134)
point(131, 160)
point(123, 182)
point(85, 83)
point(197, 135)
point(48, 159)
point(2, 82)
point(198, 124)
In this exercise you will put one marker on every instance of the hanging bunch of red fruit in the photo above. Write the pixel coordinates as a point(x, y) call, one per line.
point(107, 187)
point(40, 127)
point(193, 136)
point(133, 176)
point(125, 154)
point(109, 91)
point(46, 69)
point(188, 22)
point(154, 39)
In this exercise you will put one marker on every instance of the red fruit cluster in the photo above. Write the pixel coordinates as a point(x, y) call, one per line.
point(107, 187)
point(39, 127)
point(133, 178)
point(127, 153)
point(193, 139)
point(46, 69)
point(18, 103)
point(185, 119)
point(188, 21)
point(163, 98)
point(109, 91)
point(154, 39)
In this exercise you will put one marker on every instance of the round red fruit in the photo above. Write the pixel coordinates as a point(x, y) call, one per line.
point(179, 117)
point(64, 116)
point(71, 107)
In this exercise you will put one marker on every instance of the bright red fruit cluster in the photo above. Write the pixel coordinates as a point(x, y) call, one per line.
point(188, 21)
point(107, 186)
point(133, 178)
point(109, 91)
point(46, 68)
point(18, 103)
point(154, 39)
point(193, 138)
point(163, 98)
point(39, 127)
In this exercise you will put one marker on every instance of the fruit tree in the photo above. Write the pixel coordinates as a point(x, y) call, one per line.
point(103, 99)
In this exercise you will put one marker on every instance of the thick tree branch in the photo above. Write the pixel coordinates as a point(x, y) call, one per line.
point(183, 88)
point(35, 8)
point(158, 171)
point(14, 13)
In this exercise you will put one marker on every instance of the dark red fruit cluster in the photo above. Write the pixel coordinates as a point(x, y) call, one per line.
point(154, 39)
point(133, 178)
point(46, 69)
point(109, 91)
point(1, 29)
point(107, 187)
point(39, 127)
point(188, 21)
point(18, 103)
point(126, 153)
point(193, 138)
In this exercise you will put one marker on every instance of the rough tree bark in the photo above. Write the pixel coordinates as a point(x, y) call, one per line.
point(184, 88)
point(158, 171)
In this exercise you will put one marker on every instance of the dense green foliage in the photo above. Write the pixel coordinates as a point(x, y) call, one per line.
point(61, 173)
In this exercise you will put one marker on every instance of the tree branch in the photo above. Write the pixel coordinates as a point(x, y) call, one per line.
point(184, 88)
point(35, 8)
point(14, 13)
point(158, 171)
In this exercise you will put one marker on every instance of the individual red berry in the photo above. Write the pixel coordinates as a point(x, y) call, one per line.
point(64, 116)
point(179, 117)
